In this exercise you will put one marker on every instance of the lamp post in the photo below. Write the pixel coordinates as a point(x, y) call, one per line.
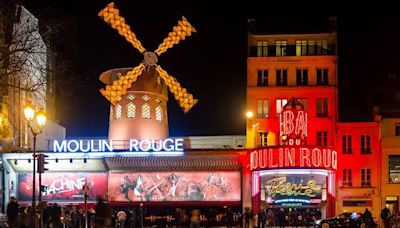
point(29, 113)
point(253, 130)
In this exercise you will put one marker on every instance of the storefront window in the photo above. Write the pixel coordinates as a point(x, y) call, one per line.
point(394, 169)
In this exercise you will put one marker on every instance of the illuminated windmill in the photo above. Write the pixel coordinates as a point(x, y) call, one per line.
point(148, 79)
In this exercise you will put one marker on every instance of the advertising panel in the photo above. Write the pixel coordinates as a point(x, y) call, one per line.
point(64, 187)
point(293, 189)
point(174, 186)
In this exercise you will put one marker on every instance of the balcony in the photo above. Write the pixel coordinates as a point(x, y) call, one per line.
point(291, 51)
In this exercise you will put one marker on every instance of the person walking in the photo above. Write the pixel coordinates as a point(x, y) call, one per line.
point(12, 212)
point(385, 216)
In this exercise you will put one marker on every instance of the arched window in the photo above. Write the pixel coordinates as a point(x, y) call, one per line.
point(118, 111)
point(146, 98)
point(131, 110)
point(159, 113)
point(131, 97)
point(146, 111)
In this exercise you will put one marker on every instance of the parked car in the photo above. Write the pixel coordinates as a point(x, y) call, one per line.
point(346, 219)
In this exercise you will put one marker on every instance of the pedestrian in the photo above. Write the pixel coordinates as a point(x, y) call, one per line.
point(103, 214)
point(12, 212)
point(281, 218)
point(229, 218)
point(385, 216)
point(195, 219)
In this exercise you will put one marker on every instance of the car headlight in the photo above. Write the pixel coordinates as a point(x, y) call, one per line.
point(317, 222)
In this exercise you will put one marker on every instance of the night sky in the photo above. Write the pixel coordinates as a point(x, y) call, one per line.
point(211, 64)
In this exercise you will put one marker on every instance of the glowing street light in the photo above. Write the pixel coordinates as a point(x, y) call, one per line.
point(29, 112)
point(249, 114)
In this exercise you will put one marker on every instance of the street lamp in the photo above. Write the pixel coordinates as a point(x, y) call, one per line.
point(251, 130)
point(29, 112)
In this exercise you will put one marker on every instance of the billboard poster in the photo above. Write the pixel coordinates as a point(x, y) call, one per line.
point(293, 189)
point(64, 187)
point(174, 186)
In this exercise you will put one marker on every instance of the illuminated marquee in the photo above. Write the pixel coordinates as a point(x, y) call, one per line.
point(105, 145)
point(293, 157)
point(281, 186)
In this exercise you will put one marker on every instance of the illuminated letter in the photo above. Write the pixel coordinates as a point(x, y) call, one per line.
point(316, 157)
point(178, 144)
point(92, 145)
point(81, 146)
point(281, 157)
point(154, 145)
point(334, 159)
point(171, 147)
point(144, 142)
point(59, 148)
point(327, 158)
point(69, 146)
point(304, 156)
point(254, 160)
point(108, 145)
point(290, 157)
point(288, 117)
point(271, 161)
point(133, 144)
point(301, 123)
point(263, 158)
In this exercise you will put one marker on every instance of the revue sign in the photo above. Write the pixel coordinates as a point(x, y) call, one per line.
point(293, 157)
point(105, 145)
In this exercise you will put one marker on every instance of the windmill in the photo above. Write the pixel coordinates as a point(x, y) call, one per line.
point(119, 87)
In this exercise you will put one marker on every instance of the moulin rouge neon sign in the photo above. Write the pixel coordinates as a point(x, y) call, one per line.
point(105, 145)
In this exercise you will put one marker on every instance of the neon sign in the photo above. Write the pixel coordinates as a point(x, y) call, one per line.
point(280, 186)
point(293, 123)
point(105, 145)
point(293, 157)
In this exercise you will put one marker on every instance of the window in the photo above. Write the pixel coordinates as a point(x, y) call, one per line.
point(322, 47)
point(322, 77)
point(118, 111)
point(322, 138)
point(347, 144)
point(281, 47)
point(131, 97)
point(263, 138)
point(262, 78)
point(281, 77)
point(111, 113)
point(347, 178)
point(130, 110)
point(262, 109)
point(303, 102)
point(397, 129)
point(301, 77)
point(365, 178)
point(279, 105)
point(394, 169)
point(365, 144)
point(158, 80)
point(146, 98)
point(322, 107)
point(262, 48)
point(301, 47)
point(311, 47)
point(146, 111)
point(159, 113)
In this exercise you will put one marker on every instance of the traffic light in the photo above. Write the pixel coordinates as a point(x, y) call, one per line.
point(41, 163)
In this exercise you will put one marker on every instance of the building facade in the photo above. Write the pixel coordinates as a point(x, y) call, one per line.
point(281, 67)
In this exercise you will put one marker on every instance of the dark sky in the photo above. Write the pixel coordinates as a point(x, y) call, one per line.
point(211, 64)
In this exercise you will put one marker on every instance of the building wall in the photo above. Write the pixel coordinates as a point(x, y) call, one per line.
point(390, 147)
point(355, 161)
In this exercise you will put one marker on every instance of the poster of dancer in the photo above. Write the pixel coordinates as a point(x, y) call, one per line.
point(64, 187)
point(174, 186)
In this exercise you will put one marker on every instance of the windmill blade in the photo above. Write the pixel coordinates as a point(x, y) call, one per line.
point(118, 88)
point(185, 99)
point(179, 32)
point(110, 14)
